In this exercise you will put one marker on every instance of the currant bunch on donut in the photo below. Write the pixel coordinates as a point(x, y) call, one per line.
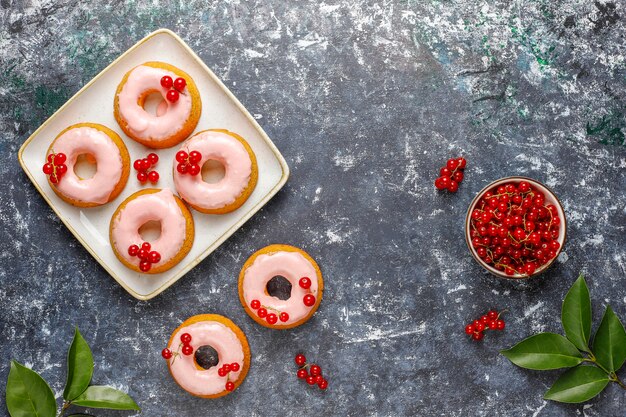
point(225, 370)
point(311, 373)
point(145, 254)
point(308, 299)
point(271, 318)
point(188, 162)
point(184, 347)
point(451, 175)
point(489, 321)
point(142, 166)
point(178, 85)
point(55, 168)
point(514, 230)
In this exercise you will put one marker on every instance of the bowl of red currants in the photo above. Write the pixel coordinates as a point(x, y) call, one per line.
point(515, 227)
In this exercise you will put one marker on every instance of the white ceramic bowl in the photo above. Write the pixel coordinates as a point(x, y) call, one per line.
point(550, 199)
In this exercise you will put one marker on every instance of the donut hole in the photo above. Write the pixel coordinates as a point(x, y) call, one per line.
point(154, 104)
point(150, 231)
point(279, 287)
point(213, 171)
point(206, 357)
point(85, 166)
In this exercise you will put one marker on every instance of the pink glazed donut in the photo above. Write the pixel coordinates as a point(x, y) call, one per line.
point(177, 115)
point(280, 286)
point(177, 231)
point(240, 166)
point(208, 355)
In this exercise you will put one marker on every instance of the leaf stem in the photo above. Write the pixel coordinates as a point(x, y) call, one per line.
point(612, 375)
point(66, 405)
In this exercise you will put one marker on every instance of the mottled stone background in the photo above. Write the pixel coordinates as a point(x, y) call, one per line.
point(366, 100)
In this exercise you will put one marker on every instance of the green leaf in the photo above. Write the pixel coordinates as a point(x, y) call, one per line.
point(544, 351)
point(79, 367)
point(27, 394)
point(609, 344)
point(105, 397)
point(578, 385)
point(576, 314)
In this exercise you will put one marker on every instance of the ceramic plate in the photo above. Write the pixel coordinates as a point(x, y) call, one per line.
point(94, 103)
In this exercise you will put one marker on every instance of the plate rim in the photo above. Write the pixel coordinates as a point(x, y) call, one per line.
point(240, 222)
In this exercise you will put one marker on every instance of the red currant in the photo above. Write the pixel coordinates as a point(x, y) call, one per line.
point(185, 338)
point(143, 254)
point(309, 300)
point(283, 317)
point(195, 157)
point(315, 370)
point(271, 318)
point(439, 183)
point(302, 373)
point(230, 386)
point(323, 384)
point(146, 246)
point(492, 314)
point(458, 176)
point(310, 380)
point(221, 372)
point(255, 304)
point(500, 324)
point(181, 156)
point(479, 327)
point(305, 282)
point(462, 163)
point(145, 266)
point(53, 179)
point(453, 187)
point(261, 312)
point(51, 158)
point(234, 367)
point(166, 353)
point(133, 250)
point(145, 164)
point(142, 177)
point(452, 164)
point(153, 158)
point(478, 336)
point(59, 158)
point(153, 176)
point(187, 350)
point(226, 367)
point(181, 168)
point(300, 359)
point(445, 172)
point(180, 83)
point(138, 165)
point(194, 169)
point(154, 257)
point(172, 96)
point(469, 329)
point(493, 325)
point(166, 81)
point(48, 169)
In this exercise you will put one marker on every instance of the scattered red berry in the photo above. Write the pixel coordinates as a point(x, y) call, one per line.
point(166, 81)
point(166, 353)
point(305, 282)
point(309, 300)
point(513, 230)
point(451, 175)
point(300, 359)
point(187, 350)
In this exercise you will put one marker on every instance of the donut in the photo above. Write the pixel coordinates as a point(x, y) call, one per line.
point(177, 231)
point(177, 114)
point(102, 146)
point(215, 342)
point(240, 166)
point(280, 286)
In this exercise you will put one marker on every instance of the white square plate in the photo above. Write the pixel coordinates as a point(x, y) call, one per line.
point(94, 103)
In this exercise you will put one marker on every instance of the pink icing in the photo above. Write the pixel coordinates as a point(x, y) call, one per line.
point(87, 140)
point(292, 266)
point(207, 381)
point(160, 206)
point(170, 117)
point(232, 154)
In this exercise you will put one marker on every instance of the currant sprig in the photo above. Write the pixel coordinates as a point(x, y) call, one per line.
point(314, 373)
point(55, 168)
point(271, 318)
point(188, 162)
point(184, 347)
point(179, 85)
point(142, 167)
point(145, 254)
point(451, 175)
point(225, 371)
point(489, 321)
